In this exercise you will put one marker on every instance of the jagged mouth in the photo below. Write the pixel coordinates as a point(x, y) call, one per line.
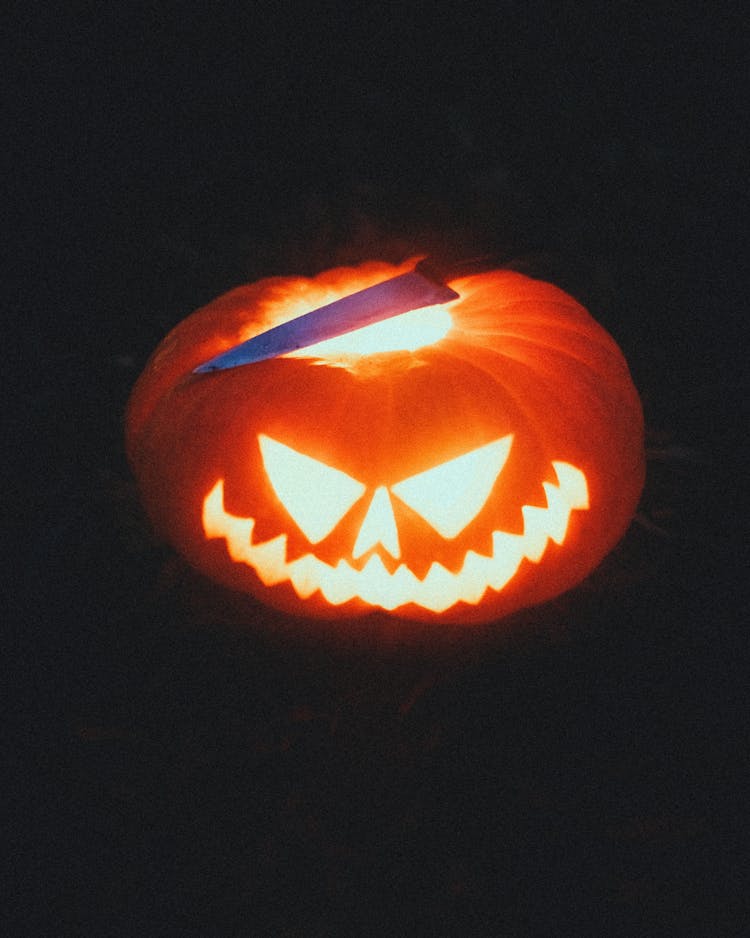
point(438, 591)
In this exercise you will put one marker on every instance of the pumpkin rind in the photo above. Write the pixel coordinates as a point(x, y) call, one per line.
point(521, 358)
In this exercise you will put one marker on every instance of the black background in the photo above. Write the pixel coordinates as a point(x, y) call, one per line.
point(581, 770)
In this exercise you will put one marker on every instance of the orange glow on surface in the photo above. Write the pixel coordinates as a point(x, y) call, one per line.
point(373, 583)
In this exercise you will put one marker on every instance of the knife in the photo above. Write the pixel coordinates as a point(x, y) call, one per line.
point(423, 286)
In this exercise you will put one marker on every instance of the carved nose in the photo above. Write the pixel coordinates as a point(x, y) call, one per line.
point(379, 526)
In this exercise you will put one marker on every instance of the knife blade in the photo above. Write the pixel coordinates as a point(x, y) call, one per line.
point(413, 290)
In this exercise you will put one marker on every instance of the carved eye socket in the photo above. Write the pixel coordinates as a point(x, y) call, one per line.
point(316, 496)
point(448, 497)
point(451, 495)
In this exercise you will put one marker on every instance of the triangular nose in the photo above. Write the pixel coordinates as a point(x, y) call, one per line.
point(379, 526)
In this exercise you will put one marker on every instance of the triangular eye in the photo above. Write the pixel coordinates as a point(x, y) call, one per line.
point(451, 495)
point(315, 495)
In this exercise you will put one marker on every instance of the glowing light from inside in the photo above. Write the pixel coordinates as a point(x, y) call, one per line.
point(379, 526)
point(406, 332)
point(451, 495)
point(375, 585)
point(317, 496)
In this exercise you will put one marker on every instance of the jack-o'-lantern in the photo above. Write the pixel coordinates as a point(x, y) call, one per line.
point(454, 463)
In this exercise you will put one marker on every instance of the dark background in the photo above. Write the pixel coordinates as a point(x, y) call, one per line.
point(581, 769)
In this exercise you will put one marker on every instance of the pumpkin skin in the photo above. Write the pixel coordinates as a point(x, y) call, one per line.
point(525, 396)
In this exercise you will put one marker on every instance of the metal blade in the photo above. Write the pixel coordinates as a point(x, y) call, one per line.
point(381, 301)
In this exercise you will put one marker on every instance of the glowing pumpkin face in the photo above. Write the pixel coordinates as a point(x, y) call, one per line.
point(447, 497)
point(455, 463)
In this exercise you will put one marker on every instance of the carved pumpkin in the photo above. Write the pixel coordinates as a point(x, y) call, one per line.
point(455, 463)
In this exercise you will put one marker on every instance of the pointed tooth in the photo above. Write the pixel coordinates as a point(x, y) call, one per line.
point(269, 560)
point(507, 553)
point(557, 512)
point(534, 532)
point(474, 577)
point(439, 589)
point(237, 532)
point(402, 588)
point(374, 581)
point(338, 584)
point(573, 484)
point(239, 541)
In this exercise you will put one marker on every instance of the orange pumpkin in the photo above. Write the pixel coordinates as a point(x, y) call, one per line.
point(455, 463)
